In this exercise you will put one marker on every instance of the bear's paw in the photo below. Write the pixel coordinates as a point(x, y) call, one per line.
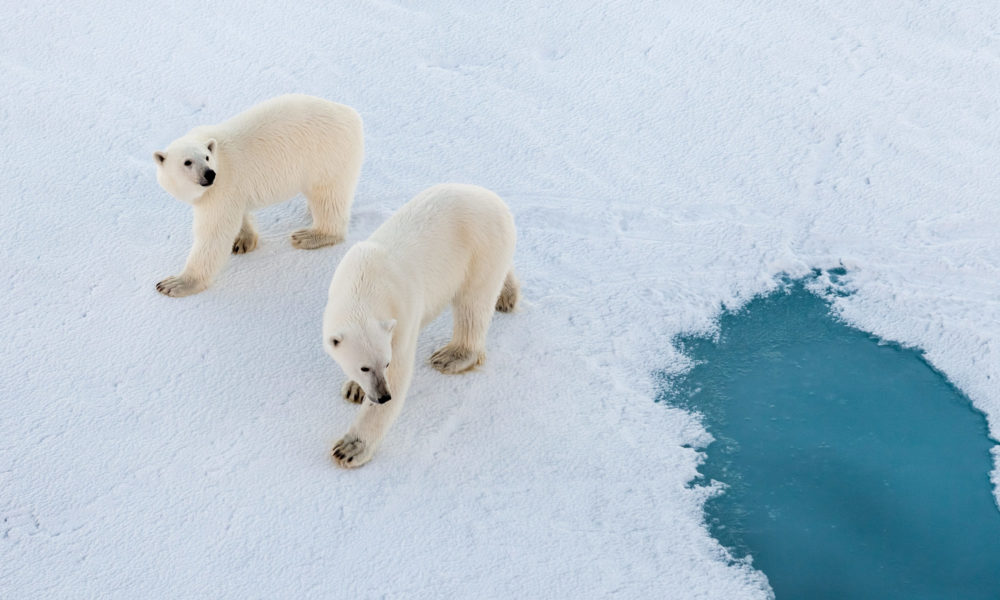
point(245, 242)
point(352, 392)
point(351, 451)
point(178, 286)
point(455, 359)
point(309, 239)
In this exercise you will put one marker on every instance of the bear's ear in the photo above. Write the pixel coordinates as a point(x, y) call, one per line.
point(210, 145)
point(336, 340)
point(389, 325)
point(159, 157)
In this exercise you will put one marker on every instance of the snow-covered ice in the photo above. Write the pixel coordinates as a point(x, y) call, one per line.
point(662, 160)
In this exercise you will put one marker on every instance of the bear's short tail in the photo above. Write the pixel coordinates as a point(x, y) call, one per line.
point(510, 293)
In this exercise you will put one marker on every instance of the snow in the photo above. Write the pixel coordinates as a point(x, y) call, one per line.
point(663, 161)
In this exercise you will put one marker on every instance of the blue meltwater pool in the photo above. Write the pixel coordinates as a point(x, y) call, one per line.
point(854, 470)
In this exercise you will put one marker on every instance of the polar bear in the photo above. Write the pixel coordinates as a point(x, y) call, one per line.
point(281, 147)
point(452, 243)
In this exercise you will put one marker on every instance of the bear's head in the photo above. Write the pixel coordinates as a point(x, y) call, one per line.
point(363, 349)
point(187, 168)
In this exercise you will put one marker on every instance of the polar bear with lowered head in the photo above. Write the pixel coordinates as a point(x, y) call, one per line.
point(279, 148)
point(451, 244)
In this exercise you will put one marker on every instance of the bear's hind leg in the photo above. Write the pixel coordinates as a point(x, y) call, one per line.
point(472, 310)
point(246, 239)
point(331, 211)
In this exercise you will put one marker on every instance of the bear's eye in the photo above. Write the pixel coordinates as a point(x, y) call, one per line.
point(187, 163)
point(386, 365)
point(206, 158)
point(365, 369)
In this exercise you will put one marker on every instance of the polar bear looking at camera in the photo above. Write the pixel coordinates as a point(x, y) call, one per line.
point(451, 244)
point(282, 147)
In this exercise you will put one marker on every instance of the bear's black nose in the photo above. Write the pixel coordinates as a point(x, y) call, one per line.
point(209, 177)
point(384, 398)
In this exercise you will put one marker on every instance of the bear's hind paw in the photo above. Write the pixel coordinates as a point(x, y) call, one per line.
point(309, 239)
point(509, 294)
point(453, 359)
point(244, 243)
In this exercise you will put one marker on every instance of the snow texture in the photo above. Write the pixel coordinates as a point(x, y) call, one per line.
point(662, 160)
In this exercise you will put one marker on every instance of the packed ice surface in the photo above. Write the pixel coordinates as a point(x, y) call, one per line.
point(662, 160)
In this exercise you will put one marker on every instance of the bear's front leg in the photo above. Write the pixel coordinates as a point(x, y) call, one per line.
point(215, 227)
point(360, 442)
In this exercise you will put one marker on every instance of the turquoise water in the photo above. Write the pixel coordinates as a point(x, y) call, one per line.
point(854, 469)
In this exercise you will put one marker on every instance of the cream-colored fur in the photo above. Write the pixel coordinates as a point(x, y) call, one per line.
point(282, 147)
point(451, 244)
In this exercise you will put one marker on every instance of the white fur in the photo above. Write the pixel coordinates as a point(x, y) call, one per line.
point(452, 244)
point(282, 147)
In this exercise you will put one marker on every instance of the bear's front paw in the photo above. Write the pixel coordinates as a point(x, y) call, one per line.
point(178, 286)
point(453, 359)
point(352, 392)
point(351, 451)
point(311, 238)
